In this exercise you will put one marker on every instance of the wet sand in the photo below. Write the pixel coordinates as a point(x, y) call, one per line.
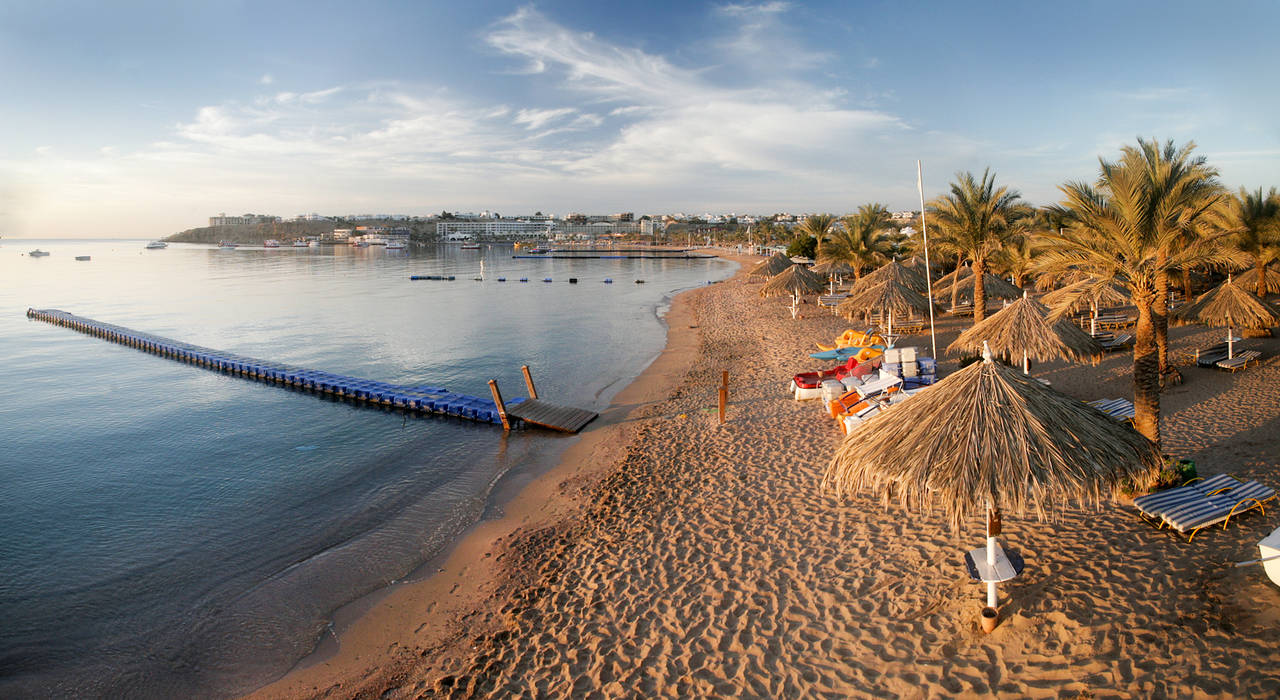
point(669, 555)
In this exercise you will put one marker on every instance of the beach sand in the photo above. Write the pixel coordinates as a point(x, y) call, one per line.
point(670, 555)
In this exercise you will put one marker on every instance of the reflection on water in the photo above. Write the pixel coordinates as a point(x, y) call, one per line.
point(171, 531)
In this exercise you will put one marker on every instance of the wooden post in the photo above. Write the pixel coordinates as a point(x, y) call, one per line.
point(497, 400)
point(724, 393)
point(528, 381)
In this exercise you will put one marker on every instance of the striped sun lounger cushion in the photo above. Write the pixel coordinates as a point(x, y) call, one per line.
point(1119, 409)
point(1157, 504)
point(1214, 509)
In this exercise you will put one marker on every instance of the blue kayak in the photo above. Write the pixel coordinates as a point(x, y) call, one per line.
point(843, 353)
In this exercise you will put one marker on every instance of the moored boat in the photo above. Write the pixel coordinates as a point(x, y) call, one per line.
point(396, 245)
point(271, 243)
point(227, 244)
point(37, 253)
point(302, 243)
point(470, 246)
point(156, 245)
point(82, 258)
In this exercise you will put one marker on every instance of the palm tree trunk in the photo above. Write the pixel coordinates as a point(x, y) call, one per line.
point(1160, 316)
point(1146, 373)
point(955, 283)
point(979, 290)
point(1260, 268)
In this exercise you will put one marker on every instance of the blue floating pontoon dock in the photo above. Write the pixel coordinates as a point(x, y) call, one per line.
point(420, 399)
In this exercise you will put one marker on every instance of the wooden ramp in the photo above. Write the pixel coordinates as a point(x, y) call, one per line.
point(549, 415)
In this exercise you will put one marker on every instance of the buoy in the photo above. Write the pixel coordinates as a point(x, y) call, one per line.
point(573, 280)
point(639, 281)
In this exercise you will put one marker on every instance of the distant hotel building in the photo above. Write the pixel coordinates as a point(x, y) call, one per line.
point(223, 220)
point(497, 228)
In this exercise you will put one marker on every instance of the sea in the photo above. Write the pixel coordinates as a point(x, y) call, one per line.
point(171, 531)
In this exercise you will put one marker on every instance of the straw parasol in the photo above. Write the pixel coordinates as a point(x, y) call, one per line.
point(896, 272)
point(832, 268)
point(1024, 326)
point(989, 438)
point(888, 297)
point(996, 288)
point(1249, 279)
point(775, 264)
point(1228, 305)
point(795, 280)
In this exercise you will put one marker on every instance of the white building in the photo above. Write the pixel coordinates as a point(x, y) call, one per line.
point(497, 228)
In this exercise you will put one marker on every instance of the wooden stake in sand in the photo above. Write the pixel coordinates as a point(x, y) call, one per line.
point(724, 393)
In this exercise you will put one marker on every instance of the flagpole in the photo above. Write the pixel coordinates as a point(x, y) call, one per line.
point(928, 271)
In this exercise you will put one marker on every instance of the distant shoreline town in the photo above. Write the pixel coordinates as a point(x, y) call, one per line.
point(768, 229)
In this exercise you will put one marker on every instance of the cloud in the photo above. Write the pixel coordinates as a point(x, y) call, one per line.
point(266, 79)
point(538, 118)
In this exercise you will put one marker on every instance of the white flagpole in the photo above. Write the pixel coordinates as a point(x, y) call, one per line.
point(928, 272)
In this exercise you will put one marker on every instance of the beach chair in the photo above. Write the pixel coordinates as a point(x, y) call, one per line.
point(880, 384)
point(1155, 505)
point(1198, 514)
point(1116, 342)
point(1119, 409)
point(1240, 361)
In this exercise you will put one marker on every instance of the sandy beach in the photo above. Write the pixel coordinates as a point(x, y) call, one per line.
point(669, 555)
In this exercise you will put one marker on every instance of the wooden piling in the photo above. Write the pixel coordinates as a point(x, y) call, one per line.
point(528, 381)
point(497, 400)
point(724, 393)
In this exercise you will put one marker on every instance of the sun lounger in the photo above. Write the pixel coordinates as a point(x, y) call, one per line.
point(1240, 361)
point(1196, 515)
point(1119, 409)
point(1116, 342)
point(1156, 505)
point(1114, 321)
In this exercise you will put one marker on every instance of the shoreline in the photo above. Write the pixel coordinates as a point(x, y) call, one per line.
point(670, 555)
point(371, 633)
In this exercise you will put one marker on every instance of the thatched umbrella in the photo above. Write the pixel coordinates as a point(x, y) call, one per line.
point(794, 280)
point(997, 288)
point(1085, 292)
point(774, 265)
point(990, 438)
point(833, 268)
point(1249, 279)
point(1024, 326)
point(888, 297)
point(1228, 305)
point(896, 272)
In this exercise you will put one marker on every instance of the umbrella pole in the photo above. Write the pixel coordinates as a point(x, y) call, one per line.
point(1026, 364)
point(993, 529)
point(1230, 345)
point(890, 331)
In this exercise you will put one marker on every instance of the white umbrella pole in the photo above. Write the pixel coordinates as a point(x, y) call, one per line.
point(928, 273)
point(1230, 344)
point(1026, 364)
point(890, 331)
point(992, 530)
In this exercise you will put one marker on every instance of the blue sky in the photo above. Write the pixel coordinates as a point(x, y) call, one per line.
point(144, 118)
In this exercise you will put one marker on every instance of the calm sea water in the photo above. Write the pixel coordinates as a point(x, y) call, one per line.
point(168, 531)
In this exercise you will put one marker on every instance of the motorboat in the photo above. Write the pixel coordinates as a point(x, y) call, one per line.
point(302, 243)
point(470, 246)
point(37, 253)
point(271, 243)
point(156, 245)
point(82, 258)
point(227, 244)
point(396, 245)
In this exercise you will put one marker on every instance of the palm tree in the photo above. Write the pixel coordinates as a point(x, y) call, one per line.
point(1122, 233)
point(862, 241)
point(1258, 220)
point(816, 225)
point(1185, 202)
point(977, 220)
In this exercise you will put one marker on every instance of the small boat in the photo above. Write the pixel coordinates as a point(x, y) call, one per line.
point(271, 243)
point(227, 244)
point(470, 246)
point(82, 258)
point(396, 245)
point(37, 253)
point(302, 243)
point(443, 278)
point(156, 245)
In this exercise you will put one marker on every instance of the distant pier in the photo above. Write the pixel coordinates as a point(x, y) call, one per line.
point(420, 399)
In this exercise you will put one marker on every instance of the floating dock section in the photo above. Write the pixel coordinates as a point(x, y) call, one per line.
point(420, 399)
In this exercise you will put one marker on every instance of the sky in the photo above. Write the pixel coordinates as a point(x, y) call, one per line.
point(145, 118)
